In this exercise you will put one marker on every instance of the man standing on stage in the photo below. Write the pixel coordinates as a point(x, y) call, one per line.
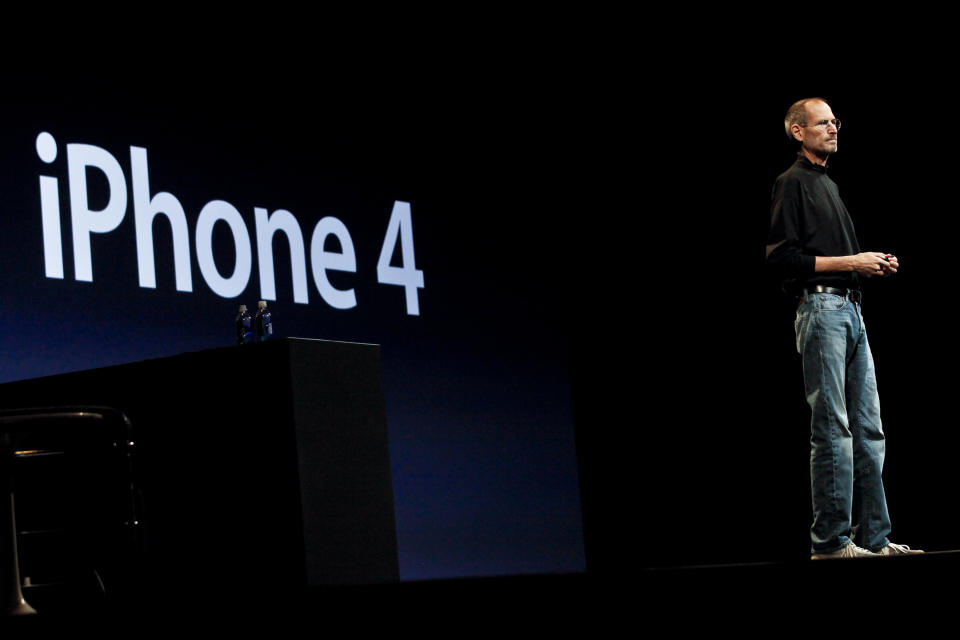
point(813, 249)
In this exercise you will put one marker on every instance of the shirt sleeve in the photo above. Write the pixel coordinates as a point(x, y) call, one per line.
point(785, 242)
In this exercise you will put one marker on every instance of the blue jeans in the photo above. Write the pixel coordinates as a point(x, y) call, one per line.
point(847, 444)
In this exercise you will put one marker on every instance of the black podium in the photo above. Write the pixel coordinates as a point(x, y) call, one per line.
point(261, 466)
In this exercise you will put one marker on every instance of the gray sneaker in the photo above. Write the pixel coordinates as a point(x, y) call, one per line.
point(849, 551)
point(893, 549)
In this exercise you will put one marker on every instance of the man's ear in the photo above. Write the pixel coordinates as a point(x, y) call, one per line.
point(797, 131)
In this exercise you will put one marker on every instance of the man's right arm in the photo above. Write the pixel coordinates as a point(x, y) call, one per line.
point(833, 263)
point(869, 263)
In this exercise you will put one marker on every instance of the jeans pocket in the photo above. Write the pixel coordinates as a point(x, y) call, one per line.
point(830, 302)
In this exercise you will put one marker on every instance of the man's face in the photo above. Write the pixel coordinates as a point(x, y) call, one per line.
point(819, 136)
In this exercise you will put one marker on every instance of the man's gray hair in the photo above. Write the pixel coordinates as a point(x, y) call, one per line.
point(797, 114)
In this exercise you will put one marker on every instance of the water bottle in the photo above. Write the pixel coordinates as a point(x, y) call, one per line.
point(263, 322)
point(244, 325)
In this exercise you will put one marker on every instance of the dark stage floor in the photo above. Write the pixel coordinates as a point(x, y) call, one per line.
point(854, 592)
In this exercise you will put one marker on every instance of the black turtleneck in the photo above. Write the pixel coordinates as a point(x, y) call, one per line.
point(808, 219)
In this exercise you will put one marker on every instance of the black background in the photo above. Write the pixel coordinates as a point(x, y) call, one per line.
point(711, 395)
point(650, 172)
